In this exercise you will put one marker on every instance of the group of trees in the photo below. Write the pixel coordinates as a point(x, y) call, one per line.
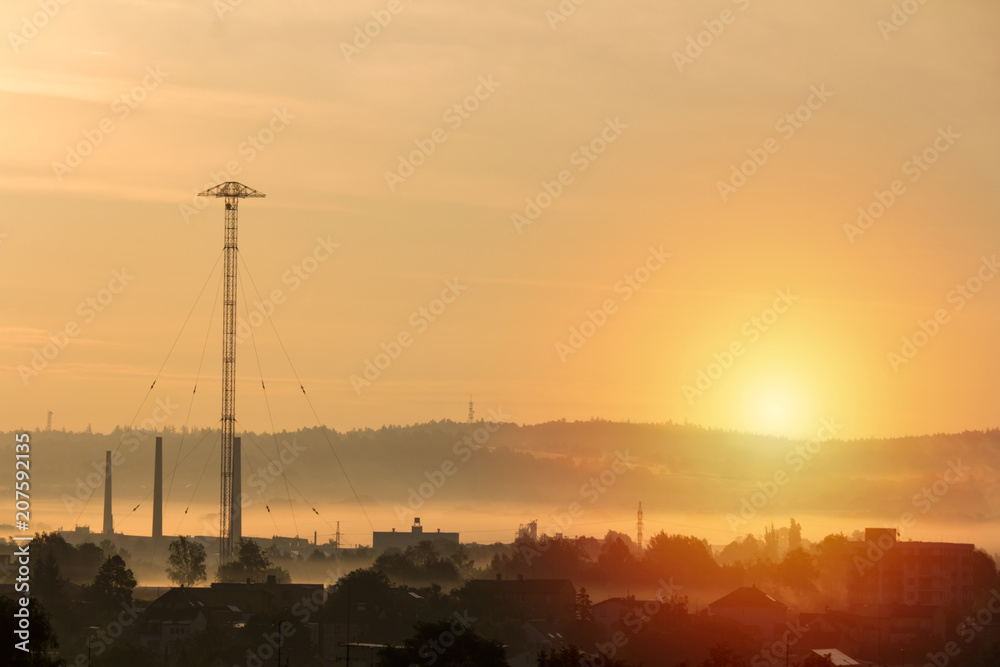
point(423, 563)
point(614, 560)
point(73, 588)
point(186, 564)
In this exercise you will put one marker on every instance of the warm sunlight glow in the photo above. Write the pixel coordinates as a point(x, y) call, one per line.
point(777, 408)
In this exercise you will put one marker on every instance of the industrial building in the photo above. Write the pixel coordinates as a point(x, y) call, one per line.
point(393, 540)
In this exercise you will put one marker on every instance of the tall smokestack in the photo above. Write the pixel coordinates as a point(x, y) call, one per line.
point(109, 522)
point(158, 490)
point(236, 508)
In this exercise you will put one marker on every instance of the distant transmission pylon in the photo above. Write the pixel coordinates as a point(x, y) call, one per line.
point(639, 527)
point(228, 504)
point(472, 412)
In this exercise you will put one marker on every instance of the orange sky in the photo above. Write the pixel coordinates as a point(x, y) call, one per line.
point(502, 101)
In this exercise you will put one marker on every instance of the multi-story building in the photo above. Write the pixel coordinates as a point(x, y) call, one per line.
point(884, 570)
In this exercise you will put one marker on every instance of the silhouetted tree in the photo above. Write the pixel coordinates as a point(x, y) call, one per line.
point(251, 563)
point(113, 584)
point(423, 562)
point(686, 559)
point(76, 564)
point(747, 550)
point(186, 563)
point(616, 561)
point(770, 543)
point(794, 535)
point(722, 655)
point(797, 569)
point(584, 610)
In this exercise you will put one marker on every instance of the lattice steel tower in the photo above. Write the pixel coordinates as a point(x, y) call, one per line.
point(228, 503)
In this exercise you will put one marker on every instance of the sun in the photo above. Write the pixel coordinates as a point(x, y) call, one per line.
point(777, 407)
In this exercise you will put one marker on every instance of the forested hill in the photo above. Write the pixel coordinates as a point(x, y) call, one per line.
point(683, 468)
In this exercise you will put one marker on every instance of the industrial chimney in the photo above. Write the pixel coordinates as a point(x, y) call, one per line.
point(109, 523)
point(236, 508)
point(158, 490)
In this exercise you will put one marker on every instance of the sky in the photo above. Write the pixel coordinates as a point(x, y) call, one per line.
point(745, 215)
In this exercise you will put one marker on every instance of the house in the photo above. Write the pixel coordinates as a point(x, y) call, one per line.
point(181, 613)
point(610, 614)
point(762, 615)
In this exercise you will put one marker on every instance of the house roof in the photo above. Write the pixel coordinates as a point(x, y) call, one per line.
point(837, 657)
point(747, 597)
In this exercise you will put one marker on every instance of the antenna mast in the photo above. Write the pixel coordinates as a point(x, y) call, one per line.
point(232, 192)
